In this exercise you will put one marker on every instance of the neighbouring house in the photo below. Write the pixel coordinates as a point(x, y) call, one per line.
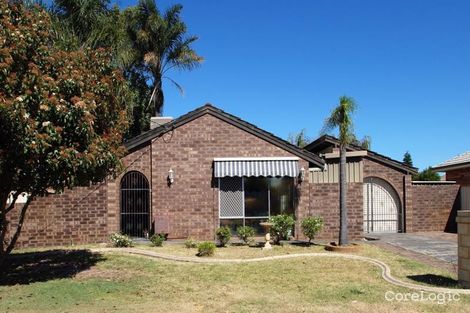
point(458, 169)
point(188, 176)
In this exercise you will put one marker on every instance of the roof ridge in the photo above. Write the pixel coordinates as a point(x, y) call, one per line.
point(353, 146)
point(227, 117)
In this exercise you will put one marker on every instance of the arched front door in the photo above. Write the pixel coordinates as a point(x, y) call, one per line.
point(135, 204)
point(382, 209)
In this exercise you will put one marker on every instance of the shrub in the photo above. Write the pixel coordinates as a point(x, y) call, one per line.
point(157, 240)
point(121, 240)
point(245, 233)
point(190, 243)
point(206, 248)
point(311, 226)
point(282, 226)
point(223, 235)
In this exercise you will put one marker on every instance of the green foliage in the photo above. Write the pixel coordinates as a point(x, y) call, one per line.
point(365, 142)
point(282, 227)
point(245, 233)
point(145, 43)
point(223, 235)
point(341, 118)
point(157, 240)
point(120, 240)
point(190, 243)
point(159, 44)
point(300, 139)
point(206, 248)
point(427, 175)
point(62, 114)
point(407, 159)
point(311, 226)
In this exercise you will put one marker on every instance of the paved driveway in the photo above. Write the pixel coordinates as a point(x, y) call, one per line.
point(441, 246)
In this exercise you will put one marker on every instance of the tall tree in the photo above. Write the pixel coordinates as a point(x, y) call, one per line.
point(62, 115)
point(341, 118)
point(76, 23)
point(407, 159)
point(300, 139)
point(427, 175)
point(365, 142)
point(160, 44)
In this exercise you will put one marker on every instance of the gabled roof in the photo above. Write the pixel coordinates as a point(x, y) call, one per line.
point(460, 161)
point(326, 141)
point(143, 138)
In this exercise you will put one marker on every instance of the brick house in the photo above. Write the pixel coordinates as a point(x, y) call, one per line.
point(207, 168)
point(458, 169)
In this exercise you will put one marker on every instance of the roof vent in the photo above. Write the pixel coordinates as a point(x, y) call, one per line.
point(156, 121)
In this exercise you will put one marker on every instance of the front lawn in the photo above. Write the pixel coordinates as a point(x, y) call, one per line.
point(113, 282)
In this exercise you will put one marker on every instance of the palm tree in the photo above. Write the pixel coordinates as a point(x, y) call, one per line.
point(160, 44)
point(76, 22)
point(341, 118)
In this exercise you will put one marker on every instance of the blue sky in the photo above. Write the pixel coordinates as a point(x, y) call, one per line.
point(283, 64)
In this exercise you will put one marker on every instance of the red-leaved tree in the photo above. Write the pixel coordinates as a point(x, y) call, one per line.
point(62, 115)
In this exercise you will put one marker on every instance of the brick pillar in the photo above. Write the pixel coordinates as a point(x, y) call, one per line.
point(463, 228)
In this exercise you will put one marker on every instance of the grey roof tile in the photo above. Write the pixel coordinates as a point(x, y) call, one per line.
point(460, 159)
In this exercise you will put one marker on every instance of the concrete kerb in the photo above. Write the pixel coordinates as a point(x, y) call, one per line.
point(386, 272)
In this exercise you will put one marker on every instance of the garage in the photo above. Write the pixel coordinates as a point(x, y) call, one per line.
point(382, 209)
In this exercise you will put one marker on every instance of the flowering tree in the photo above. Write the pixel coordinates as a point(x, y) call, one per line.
point(62, 115)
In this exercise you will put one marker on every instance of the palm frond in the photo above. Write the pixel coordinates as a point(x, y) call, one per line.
point(178, 86)
point(341, 118)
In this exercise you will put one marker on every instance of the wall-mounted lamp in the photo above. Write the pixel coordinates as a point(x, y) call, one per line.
point(171, 177)
point(302, 174)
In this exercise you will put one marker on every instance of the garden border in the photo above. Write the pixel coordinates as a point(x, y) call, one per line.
point(386, 271)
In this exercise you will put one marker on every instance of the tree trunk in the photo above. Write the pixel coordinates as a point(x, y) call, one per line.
point(158, 97)
point(6, 246)
point(3, 225)
point(343, 211)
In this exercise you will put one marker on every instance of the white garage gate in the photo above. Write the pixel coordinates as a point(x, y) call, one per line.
point(382, 209)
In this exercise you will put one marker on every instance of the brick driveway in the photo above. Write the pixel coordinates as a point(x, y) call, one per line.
point(442, 246)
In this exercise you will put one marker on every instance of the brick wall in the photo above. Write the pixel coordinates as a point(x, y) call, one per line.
point(189, 207)
point(73, 217)
point(461, 176)
point(434, 207)
point(463, 220)
point(324, 202)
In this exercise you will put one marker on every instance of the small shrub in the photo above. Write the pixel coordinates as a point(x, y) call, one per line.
point(120, 240)
point(282, 226)
point(157, 240)
point(245, 233)
point(223, 235)
point(311, 226)
point(190, 243)
point(206, 248)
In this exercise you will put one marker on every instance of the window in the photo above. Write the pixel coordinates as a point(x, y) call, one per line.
point(254, 199)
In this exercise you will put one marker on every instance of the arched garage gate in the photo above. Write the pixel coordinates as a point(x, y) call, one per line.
point(382, 208)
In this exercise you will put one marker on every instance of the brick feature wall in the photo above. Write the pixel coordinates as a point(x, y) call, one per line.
point(463, 221)
point(73, 217)
point(434, 207)
point(324, 202)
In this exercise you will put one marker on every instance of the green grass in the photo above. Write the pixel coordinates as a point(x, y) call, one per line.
point(123, 283)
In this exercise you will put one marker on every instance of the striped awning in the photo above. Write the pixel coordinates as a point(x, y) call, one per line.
point(258, 167)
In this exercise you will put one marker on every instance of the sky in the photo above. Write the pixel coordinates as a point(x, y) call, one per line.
point(282, 65)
